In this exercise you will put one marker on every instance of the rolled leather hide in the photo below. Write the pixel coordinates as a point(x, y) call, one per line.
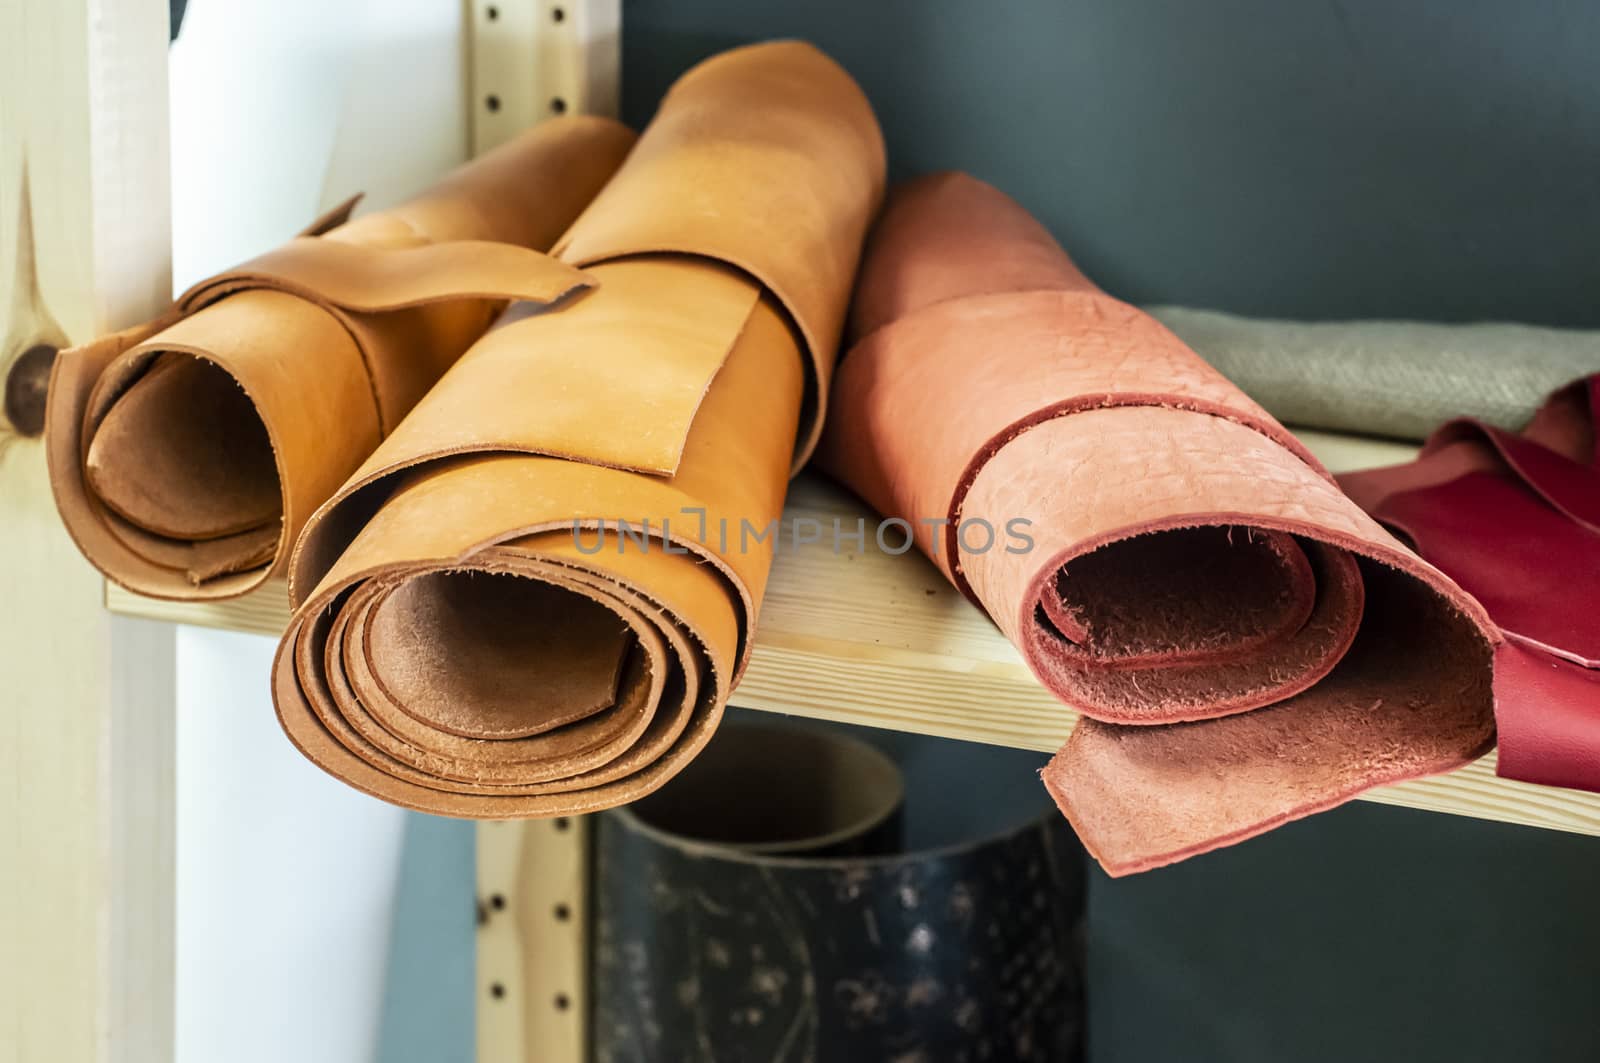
point(476, 635)
point(186, 454)
point(1515, 518)
point(1245, 644)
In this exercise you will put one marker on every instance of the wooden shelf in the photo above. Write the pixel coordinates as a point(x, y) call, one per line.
point(884, 641)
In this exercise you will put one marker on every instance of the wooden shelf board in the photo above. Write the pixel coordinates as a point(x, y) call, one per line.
point(869, 638)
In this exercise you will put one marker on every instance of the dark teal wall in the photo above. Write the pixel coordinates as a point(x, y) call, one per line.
point(1417, 158)
point(1365, 935)
point(430, 993)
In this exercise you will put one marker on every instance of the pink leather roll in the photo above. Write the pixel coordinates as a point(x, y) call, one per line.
point(1515, 519)
point(1246, 645)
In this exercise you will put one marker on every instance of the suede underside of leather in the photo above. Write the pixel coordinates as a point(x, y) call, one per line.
point(490, 644)
point(1245, 644)
point(1515, 518)
point(534, 597)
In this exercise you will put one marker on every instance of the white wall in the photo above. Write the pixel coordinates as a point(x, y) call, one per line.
point(281, 108)
point(286, 878)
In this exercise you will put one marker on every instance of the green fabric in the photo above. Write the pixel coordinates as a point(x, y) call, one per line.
point(1387, 378)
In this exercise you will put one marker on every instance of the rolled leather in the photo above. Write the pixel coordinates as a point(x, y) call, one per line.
point(186, 454)
point(1515, 519)
point(1245, 644)
point(475, 635)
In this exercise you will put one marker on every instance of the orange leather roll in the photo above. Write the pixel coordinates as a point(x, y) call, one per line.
point(186, 454)
point(1245, 644)
point(475, 635)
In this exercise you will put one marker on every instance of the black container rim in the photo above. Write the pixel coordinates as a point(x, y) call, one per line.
point(885, 774)
point(743, 855)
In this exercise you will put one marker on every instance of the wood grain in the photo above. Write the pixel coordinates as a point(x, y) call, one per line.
point(533, 940)
point(87, 748)
point(526, 61)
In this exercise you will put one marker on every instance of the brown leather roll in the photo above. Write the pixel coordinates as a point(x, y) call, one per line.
point(187, 454)
point(475, 636)
point(1247, 646)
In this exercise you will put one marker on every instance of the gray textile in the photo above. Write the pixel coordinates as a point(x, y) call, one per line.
point(1387, 378)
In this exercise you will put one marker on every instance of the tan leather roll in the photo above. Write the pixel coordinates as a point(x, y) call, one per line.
point(187, 454)
point(475, 635)
point(1246, 645)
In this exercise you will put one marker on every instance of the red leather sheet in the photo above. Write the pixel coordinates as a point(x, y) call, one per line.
point(1245, 644)
point(1515, 519)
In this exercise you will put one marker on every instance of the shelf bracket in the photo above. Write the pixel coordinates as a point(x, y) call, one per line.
point(529, 60)
point(533, 59)
point(533, 890)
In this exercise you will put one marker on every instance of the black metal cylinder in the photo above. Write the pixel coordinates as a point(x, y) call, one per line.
point(715, 941)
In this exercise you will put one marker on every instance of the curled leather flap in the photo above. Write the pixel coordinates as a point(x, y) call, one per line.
point(767, 158)
point(614, 381)
point(1023, 385)
point(619, 381)
point(72, 383)
point(1515, 518)
point(1555, 457)
point(436, 594)
point(187, 454)
point(614, 467)
point(102, 351)
point(1245, 645)
point(333, 217)
point(363, 279)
